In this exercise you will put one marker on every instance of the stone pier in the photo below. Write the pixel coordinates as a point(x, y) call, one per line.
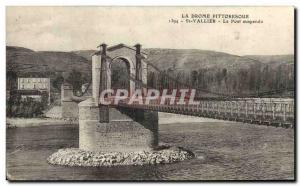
point(69, 107)
point(127, 130)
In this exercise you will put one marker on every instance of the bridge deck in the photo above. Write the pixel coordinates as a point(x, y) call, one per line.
point(280, 113)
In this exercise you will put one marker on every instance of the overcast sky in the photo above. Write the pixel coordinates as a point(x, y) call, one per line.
point(80, 28)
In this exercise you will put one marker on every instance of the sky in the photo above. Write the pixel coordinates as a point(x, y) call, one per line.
point(82, 28)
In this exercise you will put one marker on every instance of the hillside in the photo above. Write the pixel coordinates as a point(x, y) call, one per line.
point(208, 70)
point(28, 61)
point(194, 59)
point(274, 61)
point(18, 49)
point(87, 54)
point(176, 59)
point(273, 58)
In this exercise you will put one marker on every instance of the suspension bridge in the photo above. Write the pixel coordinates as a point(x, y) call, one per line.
point(264, 111)
point(134, 126)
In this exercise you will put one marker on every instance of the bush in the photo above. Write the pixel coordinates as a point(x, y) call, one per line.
point(27, 108)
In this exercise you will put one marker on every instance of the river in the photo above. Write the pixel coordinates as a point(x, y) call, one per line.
point(224, 151)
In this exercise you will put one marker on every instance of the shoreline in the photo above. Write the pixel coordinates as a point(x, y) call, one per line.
point(164, 118)
point(34, 122)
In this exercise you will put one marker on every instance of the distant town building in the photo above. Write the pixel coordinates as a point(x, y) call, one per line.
point(33, 83)
point(33, 86)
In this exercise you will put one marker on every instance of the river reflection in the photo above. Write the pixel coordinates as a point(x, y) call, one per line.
point(224, 151)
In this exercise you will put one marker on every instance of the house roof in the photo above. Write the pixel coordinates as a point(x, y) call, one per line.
point(32, 76)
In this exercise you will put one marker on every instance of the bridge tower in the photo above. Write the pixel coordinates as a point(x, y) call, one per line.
point(108, 129)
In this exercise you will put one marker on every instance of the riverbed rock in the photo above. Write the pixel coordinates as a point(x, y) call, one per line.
point(78, 157)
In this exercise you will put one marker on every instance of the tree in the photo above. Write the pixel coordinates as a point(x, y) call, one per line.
point(57, 81)
point(194, 78)
point(76, 79)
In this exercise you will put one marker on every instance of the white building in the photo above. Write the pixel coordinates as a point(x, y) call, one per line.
point(34, 83)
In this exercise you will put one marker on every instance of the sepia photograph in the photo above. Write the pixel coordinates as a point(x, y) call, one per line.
point(157, 93)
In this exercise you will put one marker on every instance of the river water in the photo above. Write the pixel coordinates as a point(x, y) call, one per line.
point(224, 151)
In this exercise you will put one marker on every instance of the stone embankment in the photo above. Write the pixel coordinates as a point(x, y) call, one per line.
point(77, 157)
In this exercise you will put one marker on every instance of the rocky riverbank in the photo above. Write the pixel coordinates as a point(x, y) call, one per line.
point(77, 157)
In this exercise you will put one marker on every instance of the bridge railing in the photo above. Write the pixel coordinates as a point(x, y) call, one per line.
point(250, 111)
